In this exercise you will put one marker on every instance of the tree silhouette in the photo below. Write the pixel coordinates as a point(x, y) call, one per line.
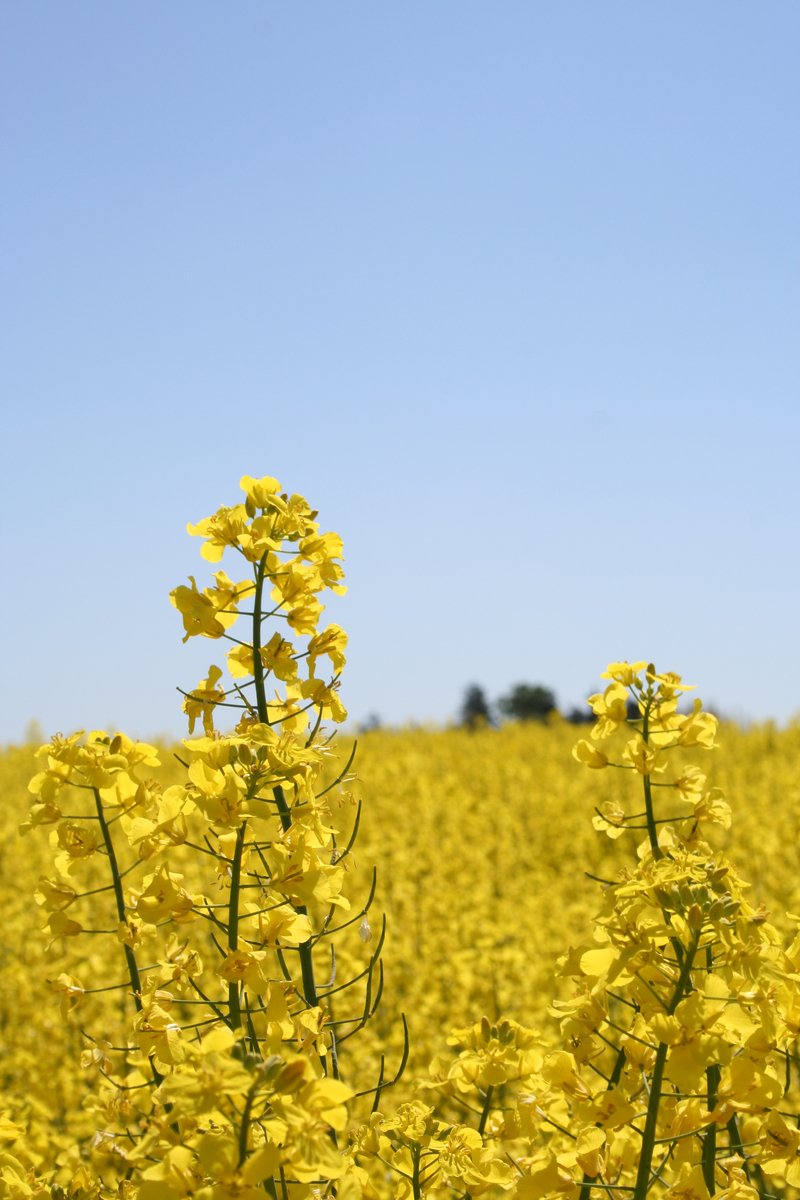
point(527, 702)
point(475, 712)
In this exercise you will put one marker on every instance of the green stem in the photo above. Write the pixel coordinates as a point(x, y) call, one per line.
point(652, 831)
point(648, 1139)
point(487, 1107)
point(244, 1128)
point(258, 666)
point(305, 950)
point(654, 1102)
point(130, 957)
point(116, 877)
point(710, 1140)
point(234, 1005)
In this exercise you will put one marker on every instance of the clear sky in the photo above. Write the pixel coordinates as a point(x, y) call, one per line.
point(509, 291)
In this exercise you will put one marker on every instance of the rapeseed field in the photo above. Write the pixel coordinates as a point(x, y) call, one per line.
point(542, 961)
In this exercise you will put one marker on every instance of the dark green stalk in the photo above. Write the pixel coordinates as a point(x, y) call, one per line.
point(710, 1140)
point(487, 1108)
point(258, 666)
point(652, 829)
point(652, 832)
point(234, 1005)
point(648, 1138)
point(654, 1102)
point(306, 959)
point(130, 957)
point(415, 1182)
point(244, 1128)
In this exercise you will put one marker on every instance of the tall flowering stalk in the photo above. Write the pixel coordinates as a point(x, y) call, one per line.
point(679, 1035)
point(222, 1074)
point(676, 1072)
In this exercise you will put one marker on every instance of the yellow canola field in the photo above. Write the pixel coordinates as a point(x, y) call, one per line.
point(491, 963)
point(482, 843)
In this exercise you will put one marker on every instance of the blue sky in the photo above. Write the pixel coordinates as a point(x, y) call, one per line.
point(509, 292)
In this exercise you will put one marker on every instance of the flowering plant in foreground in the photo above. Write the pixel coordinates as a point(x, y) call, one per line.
point(221, 1074)
point(676, 1071)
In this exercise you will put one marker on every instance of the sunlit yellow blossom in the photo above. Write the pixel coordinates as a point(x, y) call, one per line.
point(690, 782)
point(325, 697)
point(331, 642)
point(625, 673)
point(713, 807)
point(200, 614)
point(698, 729)
point(643, 757)
point(690, 1184)
point(220, 531)
point(163, 897)
point(589, 755)
point(610, 708)
point(203, 700)
point(610, 819)
point(248, 966)
point(220, 1156)
point(54, 894)
point(260, 493)
point(278, 657)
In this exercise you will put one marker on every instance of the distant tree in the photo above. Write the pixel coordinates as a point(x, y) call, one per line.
point(475, 712)
point(580, 716)
point(370, 723)
point(528, 702)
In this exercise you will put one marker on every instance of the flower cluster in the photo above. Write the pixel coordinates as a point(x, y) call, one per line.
point(223, 892)
point(676, 1064)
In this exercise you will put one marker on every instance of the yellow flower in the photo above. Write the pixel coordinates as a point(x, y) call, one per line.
point(54, 894)
point(202, 701)
point(690, 1184)
point(610, 819)
point(642, 756)
point(325, 697)
point(738, 1188)
point(163, 897)
point(610, 708)
point(260, 493)
point(200, 614)
point(219, 1153)
point(220, 531)
point(713, 808)
point(331, 642)
point(625, 673)
point(246, 966)
point(278, 656)
point(587, 754)
point(697, 729)
point(690, 783)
